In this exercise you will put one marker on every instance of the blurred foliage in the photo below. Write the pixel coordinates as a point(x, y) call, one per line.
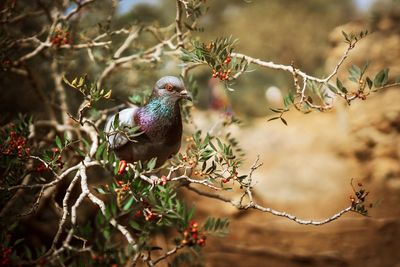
point(280, 42)
point(278, 31)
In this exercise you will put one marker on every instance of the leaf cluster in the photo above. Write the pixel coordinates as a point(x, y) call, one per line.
point(88, 89)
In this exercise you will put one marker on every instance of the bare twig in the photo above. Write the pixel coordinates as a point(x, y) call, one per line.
point(178, 23)
point(65, 211)
point(166, 255)
point(80, 5)
point(252, 205)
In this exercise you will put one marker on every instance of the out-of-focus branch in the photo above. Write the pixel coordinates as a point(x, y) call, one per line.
point(22, 17)
point(80, 5)
point(150, 55)
point(45, 100)
point(178, 24)
point(57, 79)
point(133, 35)
point(301, 90)
point(252, 205)
point(289, 68)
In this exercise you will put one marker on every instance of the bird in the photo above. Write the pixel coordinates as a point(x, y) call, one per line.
point(159, 122)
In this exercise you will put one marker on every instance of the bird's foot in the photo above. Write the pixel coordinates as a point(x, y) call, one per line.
point(152, 180)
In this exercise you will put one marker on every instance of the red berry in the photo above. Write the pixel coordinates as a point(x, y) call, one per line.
point(201, 242)
point(121, 167)
point(137, 214)
point(163, 180)
point(194, 224)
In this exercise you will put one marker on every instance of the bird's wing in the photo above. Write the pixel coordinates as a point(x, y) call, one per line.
point(125, 117)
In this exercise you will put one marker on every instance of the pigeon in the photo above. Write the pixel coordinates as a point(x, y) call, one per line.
point(159, 122)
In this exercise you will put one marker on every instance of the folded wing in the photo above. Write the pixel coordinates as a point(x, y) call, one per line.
point(125, 117)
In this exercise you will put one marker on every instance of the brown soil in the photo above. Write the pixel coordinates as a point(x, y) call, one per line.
point(307, 170)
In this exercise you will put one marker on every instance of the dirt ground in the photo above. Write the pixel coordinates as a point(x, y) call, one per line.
point(307, 170)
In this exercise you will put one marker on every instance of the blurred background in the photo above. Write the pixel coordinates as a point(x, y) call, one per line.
point(308, 164)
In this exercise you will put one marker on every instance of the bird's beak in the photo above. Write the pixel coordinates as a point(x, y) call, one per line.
point(184, 94)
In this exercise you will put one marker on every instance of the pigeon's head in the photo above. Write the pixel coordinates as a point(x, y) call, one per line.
point(171, 87)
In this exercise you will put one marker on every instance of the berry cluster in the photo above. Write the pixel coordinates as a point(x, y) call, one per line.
point(103, 260)
point(16, 146)
point(59, 161)
point(6, 64)
point(223, 75)
point(5, 256)
point(41, 167)
point(147, 213)
point(357, 201)
point(191, 235)
point(124, 187)
point(233, 176)
point(61, 37)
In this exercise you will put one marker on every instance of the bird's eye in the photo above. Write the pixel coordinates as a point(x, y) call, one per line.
point(169, 87)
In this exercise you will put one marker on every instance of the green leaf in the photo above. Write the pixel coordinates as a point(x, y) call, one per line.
point(355, 72)
point(365, 67)
point(369, 82)
point(346, 36)
point(340, 86)
point(332, 88)
point(381, 78)
point(151, 164)
point(276, 110)
point(128, 204)
point(220, 144)
point(58, 142)
point(273, 118)
point(106, 233)
point(116, 121)
point(100, 150)
point(216, 226)
point(212, 146)
point(100, 190)
point(353, 79)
